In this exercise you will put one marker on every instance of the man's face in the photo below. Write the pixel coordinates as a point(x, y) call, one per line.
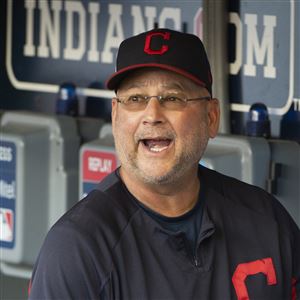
point(157, 145)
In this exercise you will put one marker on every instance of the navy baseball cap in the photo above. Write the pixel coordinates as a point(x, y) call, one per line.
point(182, 53)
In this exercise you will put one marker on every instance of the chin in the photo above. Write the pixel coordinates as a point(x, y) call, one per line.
point(157, 180)
point(157, 176)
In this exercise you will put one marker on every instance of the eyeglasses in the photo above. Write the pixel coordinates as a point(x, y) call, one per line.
point(139, 102)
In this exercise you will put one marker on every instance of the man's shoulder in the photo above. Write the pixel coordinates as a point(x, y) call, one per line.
point(105, 211)
point(243, 196)
point(238, 193)
point(94, 225)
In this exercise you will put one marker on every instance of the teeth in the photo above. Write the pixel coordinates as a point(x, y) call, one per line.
point(156, 145)
point(157, 148)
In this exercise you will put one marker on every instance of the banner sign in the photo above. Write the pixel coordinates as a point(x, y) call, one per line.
point(263, 46)
point(7, 193)
point(50, 42)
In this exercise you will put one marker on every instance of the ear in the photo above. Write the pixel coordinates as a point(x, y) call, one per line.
point(213, 117)
point(114, 105)
point(113, 109)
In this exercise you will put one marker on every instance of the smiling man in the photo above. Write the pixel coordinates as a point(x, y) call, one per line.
point(158, 147)
point(162, 226)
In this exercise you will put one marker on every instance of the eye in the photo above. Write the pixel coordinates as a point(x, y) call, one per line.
point(135, 98)
point(171, 98)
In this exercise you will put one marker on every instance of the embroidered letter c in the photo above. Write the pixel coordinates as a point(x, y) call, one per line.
point(242, 271)
point(163, 49)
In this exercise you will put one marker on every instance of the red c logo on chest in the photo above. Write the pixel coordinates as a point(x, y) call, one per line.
point(163, 49)
point(244, 270)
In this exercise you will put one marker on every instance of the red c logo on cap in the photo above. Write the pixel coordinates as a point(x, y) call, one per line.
point(163, 49)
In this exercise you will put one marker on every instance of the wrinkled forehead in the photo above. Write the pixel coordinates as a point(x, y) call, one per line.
point(154, 77)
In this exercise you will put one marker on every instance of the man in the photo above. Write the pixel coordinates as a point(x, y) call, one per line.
point(161, 226)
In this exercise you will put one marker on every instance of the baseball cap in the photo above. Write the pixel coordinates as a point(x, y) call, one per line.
point(182, 53)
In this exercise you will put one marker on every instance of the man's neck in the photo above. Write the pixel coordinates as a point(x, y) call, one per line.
point(170, 200)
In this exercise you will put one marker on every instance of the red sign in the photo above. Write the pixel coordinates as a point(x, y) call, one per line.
point(6, 222)
point(98, 164)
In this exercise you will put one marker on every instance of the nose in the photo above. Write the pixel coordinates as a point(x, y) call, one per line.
point(153, 113)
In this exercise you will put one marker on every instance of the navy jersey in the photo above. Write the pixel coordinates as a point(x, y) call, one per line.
point(108, 247)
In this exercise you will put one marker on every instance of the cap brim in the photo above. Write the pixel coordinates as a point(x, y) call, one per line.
point(114, 81)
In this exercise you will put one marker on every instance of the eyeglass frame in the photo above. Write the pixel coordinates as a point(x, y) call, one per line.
point(161, 101)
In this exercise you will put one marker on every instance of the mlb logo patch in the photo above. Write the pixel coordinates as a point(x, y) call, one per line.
point(6, 224)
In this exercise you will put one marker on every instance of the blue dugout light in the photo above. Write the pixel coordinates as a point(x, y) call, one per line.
point(67, 102)
point(258, 123)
